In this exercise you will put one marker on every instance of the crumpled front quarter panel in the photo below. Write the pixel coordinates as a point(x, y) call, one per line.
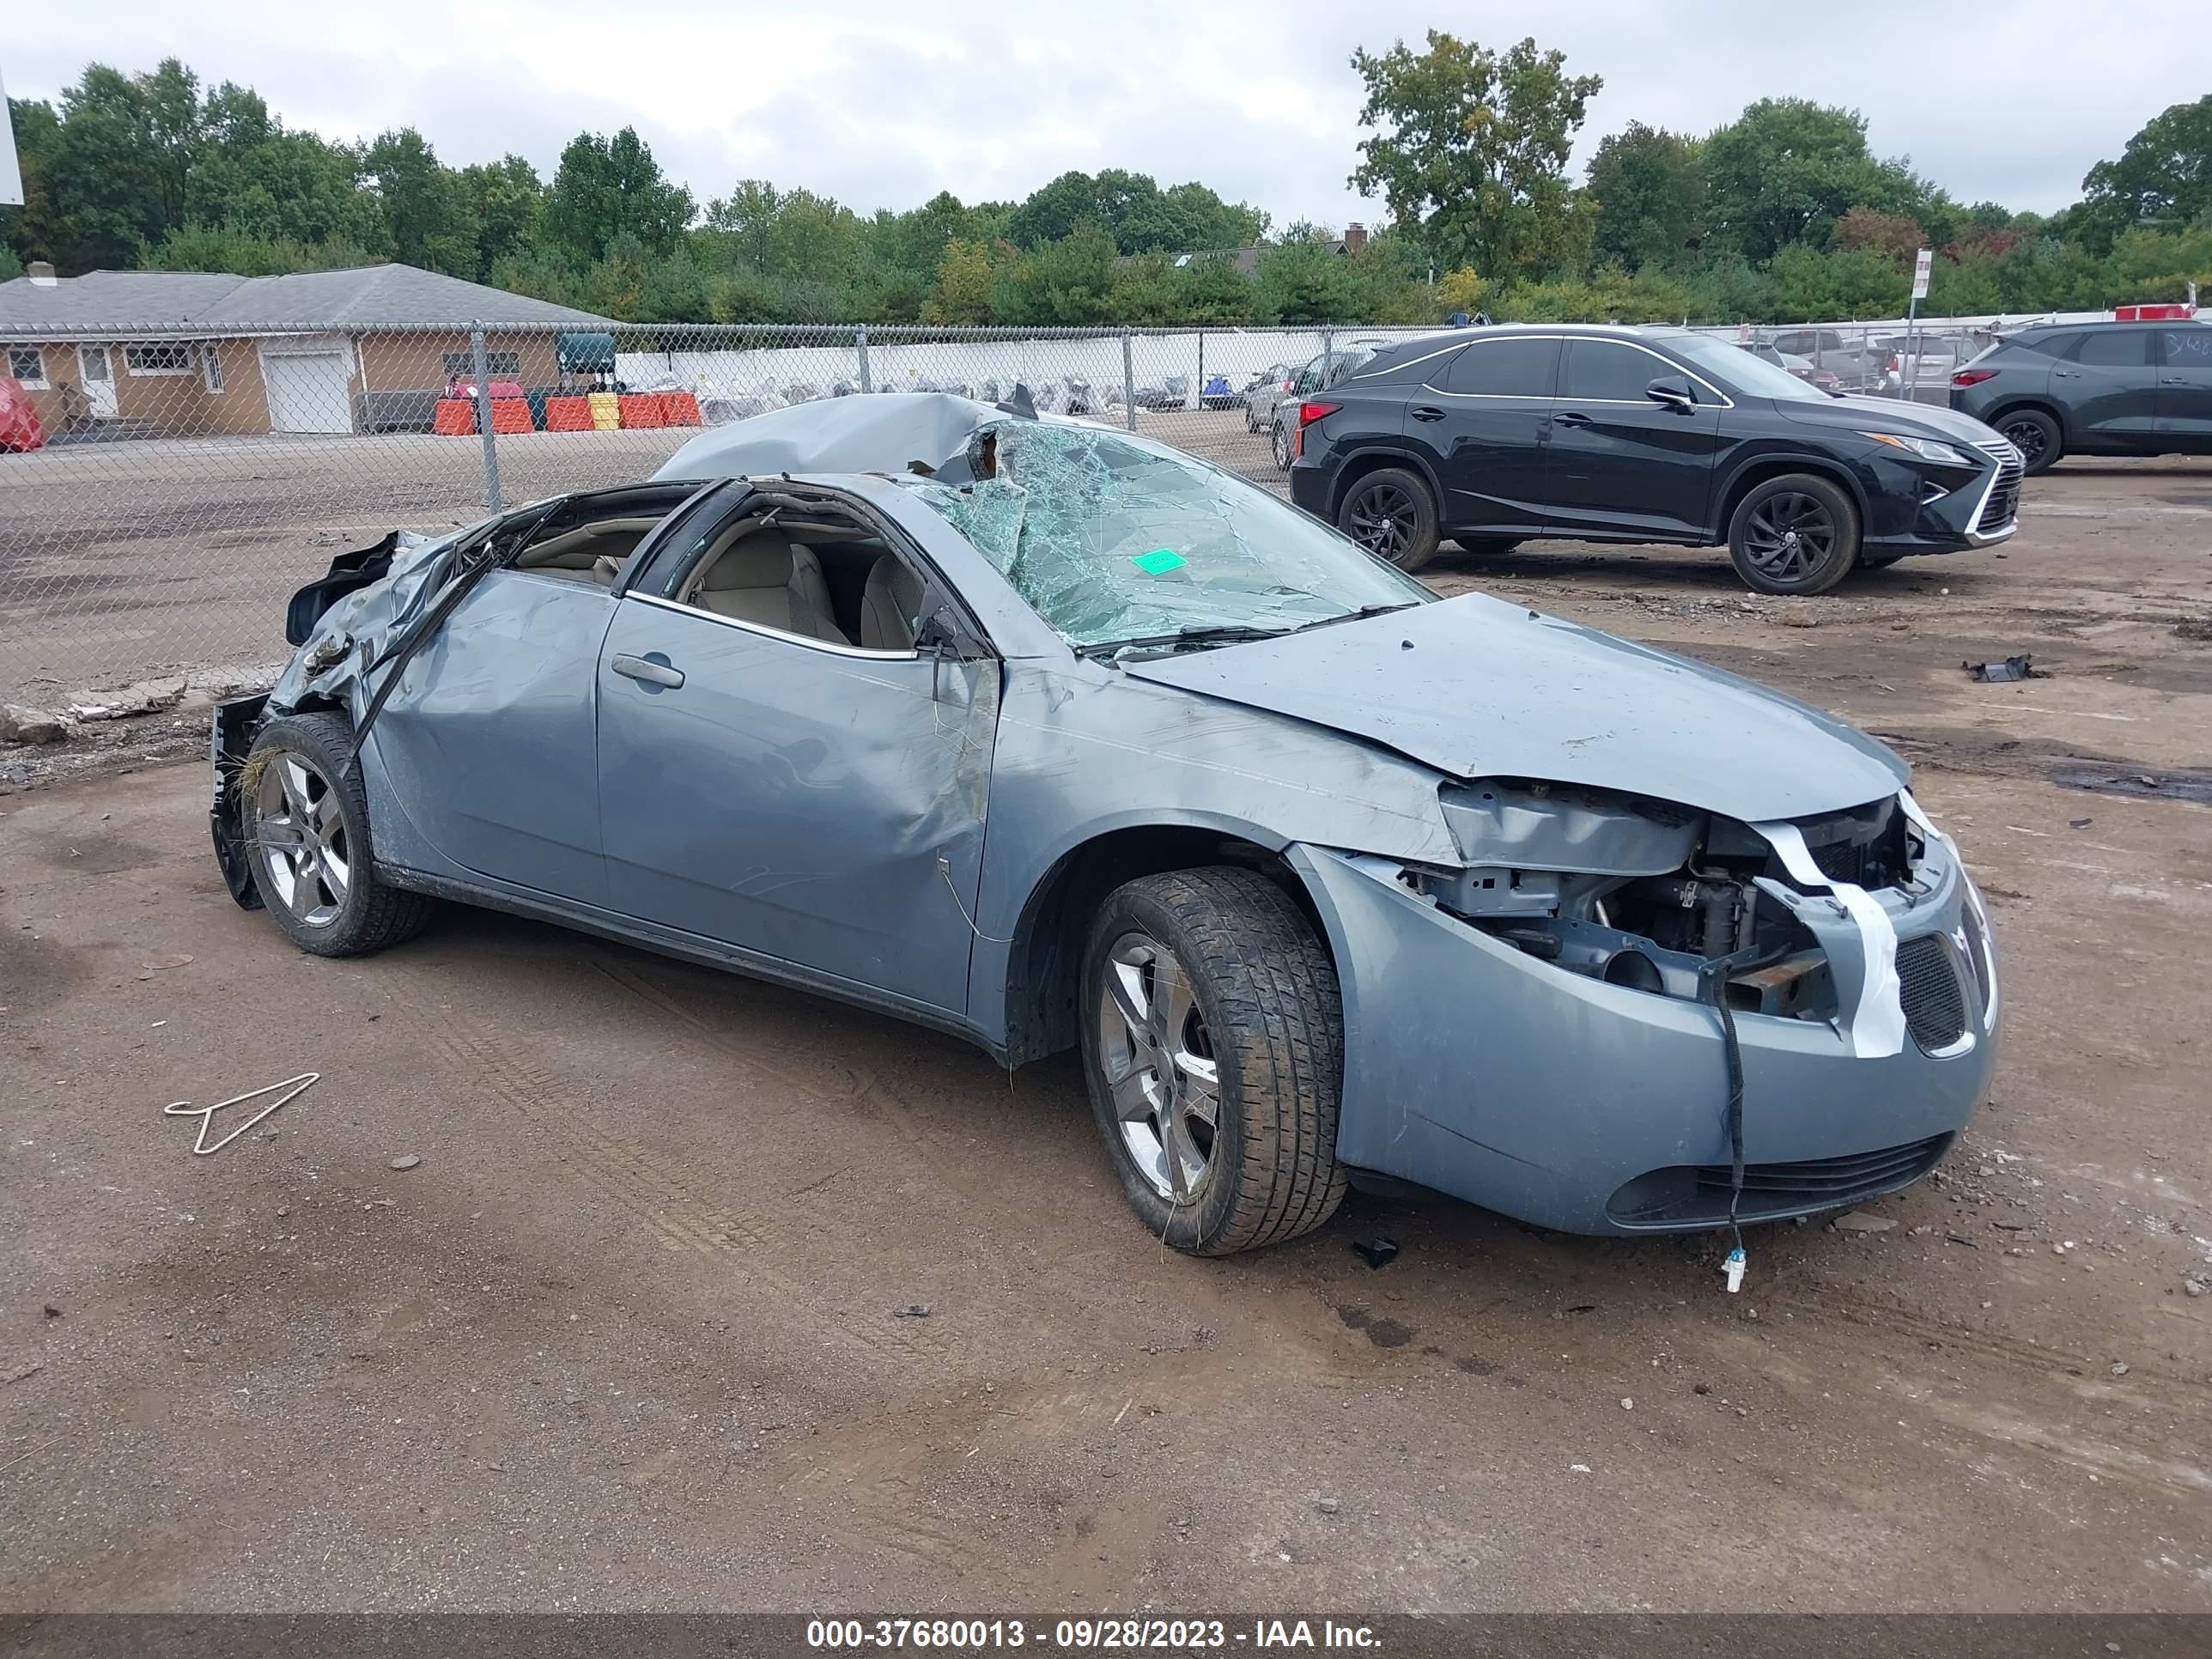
point(1087, 750)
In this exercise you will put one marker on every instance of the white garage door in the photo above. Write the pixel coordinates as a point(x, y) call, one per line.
point(307, 391)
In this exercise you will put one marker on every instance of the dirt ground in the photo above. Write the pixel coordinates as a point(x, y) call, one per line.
point(631, 1335)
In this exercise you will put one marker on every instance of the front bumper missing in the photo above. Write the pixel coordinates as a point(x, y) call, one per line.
point(230, 739)
point(1481, 1072)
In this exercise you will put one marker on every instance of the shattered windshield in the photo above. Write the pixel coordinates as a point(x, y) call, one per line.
point(1112, 539)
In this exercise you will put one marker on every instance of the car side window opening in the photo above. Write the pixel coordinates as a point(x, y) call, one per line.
point(2115, 347)
point(2188, 348)
point(1503, 368)
point(588, 540)
point(1606, 371)
point(806, 568)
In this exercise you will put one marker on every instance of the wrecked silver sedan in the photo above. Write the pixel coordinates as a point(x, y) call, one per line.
point(1049, 736)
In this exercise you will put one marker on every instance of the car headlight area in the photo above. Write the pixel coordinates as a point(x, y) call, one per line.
point(1585, 1017)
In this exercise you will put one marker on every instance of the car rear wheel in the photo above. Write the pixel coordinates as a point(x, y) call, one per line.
point(1794, 534)
point(1487, 545)
point(1213, 1046)
point(1390, 514)
point(305, 823)
point(2036, 435)
point(1281, 443)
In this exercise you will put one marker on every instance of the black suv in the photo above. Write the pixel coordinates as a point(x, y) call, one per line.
point(2095, 389)
point(1491, 437)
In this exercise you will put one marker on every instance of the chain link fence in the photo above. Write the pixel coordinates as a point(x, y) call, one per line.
point(185, 486)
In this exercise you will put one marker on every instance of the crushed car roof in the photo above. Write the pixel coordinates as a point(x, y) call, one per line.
point(884, 432)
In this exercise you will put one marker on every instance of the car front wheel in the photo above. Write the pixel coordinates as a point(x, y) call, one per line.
point(1390, 514)
point(305, 823)
point(1213, 1046)
point(1794, 534)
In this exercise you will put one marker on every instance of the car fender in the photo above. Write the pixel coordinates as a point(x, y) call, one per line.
point(1395, 456)
point(1831, 467)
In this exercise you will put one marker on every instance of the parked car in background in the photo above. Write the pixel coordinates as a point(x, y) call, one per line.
point(1920, 365)
point(1318, 373)
point(1267, 389)
point(1802, 367)
point(1627, 434)
point(1853, 358)
point(1326, 879)
point(2095, 389)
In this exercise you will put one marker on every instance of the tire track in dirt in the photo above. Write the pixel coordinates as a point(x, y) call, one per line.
point(748, 1246)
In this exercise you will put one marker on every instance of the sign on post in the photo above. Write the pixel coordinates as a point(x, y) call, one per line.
point(11, 175)
point(1921, 266)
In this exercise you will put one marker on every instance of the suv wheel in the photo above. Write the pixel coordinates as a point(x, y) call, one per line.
point(1795, 534)
point(2035, 434)
point(1389, 513)
point(1281, 441)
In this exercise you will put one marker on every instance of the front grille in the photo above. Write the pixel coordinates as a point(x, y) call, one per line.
point(2003, 502)
point(1830, 1180)
point(1697, 1194)
point(1935, 1001)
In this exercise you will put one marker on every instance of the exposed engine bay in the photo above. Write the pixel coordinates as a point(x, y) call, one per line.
point(1662, 898)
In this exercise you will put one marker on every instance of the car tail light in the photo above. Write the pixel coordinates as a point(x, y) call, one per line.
point(1973, 376)
point(1308, 414)
point(1896, 365)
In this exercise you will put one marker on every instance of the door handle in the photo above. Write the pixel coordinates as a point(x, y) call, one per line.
point(2066, 374)
point(652, 675)
point(1426, 412)
point(1572, 417)
point(2174, 379)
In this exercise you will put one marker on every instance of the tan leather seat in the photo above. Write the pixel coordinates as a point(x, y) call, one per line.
point(891, 605)
point(764, 577)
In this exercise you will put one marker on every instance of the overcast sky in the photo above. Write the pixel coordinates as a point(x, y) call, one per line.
point(881, 105)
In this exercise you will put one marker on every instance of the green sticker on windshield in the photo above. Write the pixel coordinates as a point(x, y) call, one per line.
point(1159, 561)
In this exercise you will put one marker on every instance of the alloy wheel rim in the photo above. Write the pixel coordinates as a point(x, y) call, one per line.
point(1159, 1067)
point(302, 834)
point(1381, 520)
point(2027, 438)
point(1282, 444)
point(1790, 536)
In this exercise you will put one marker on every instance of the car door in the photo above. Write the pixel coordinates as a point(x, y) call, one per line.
point(2109, 386)
point(488, 736)
point(1481, 420)
point(2184, 389)
point(798, 798)
point(1620, 462)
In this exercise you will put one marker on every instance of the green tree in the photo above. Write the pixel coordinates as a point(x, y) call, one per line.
point(285, 187)
point(1064, 283)
point(966, 278)
point(2164, 178)
point(1147, 288)
point(607, 189)
point(426, 211)
point(1471, 149)
point(33, 231)
point(1786, 169)
point(1215, 291)
point(108, 175)
point(1305, 282)
point(1895, 235)
point(1649, 187)
point(504, 201)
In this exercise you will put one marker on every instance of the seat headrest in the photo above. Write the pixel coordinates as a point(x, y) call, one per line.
point(760, 558)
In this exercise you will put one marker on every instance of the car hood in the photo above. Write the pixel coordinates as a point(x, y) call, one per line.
point(1912, 420)
point(1478, 688)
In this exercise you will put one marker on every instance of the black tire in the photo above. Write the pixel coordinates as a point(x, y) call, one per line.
point(1264, 1006)
point(1390, 512)
point(300, 790)
point(1487, 545)
point(1279, 440)
point(1796, 533)
point(2037, 437)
